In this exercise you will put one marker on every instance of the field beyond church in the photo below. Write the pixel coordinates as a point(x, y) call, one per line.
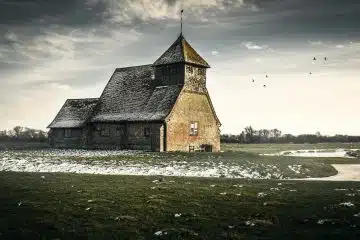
point(222, 204)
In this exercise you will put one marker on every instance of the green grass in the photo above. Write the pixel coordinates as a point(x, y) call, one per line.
point(274, 148)
point(126, 207)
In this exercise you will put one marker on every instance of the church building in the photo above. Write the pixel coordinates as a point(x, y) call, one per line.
point(164, 106)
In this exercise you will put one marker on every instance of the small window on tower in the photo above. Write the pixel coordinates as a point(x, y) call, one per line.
point(193, 129)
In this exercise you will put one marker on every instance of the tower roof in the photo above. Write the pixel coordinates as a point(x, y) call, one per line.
point(181, 52)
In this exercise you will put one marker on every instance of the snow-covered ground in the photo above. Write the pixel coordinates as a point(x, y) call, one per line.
point(78, 161)
point(84, 161)
point(314, 153)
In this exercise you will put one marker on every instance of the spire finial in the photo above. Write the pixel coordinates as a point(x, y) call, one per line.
point(182, 10)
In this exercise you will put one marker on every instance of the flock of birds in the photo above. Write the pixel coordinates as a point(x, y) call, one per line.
point(266, 76)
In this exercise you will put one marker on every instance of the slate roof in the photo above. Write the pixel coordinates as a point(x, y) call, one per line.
point(74, 113)
point(130, 96)
point(181, 52)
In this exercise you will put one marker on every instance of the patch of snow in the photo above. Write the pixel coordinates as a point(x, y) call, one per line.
point(177, 215)
point(249, 223)
point(295, 168)
point(347, 204)
point(223, 193)
point(160, 233)
point(322, 221)
point(340, 152)
point(261, 194)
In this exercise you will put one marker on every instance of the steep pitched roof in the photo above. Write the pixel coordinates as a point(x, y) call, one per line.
point(181, 52)
point(74, 113)
point(130, 96)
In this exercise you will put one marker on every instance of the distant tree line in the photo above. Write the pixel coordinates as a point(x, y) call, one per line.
point(250, 135)
point(19, 133)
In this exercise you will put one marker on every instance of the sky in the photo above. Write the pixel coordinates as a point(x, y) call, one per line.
point(54, 50)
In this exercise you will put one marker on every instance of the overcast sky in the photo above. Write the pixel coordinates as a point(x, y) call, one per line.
point(53, 50)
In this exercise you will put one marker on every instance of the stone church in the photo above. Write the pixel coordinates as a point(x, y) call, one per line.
point(164, 106)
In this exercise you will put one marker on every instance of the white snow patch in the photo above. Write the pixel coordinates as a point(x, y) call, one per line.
point(160, 233)
point(261, 194)
point(347, 204)
point(340, 152)
point(177, 215)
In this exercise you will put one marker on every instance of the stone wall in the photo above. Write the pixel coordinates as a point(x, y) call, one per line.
point(58, 139)
point(195, 78)
point(192, 107)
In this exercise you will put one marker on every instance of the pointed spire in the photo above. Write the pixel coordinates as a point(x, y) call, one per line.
point(181, 13)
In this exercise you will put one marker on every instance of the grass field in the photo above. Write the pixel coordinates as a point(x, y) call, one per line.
point(43, 205)
point(274, 148)
point(79, 206)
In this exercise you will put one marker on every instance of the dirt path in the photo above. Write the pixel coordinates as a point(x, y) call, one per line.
point(346, 172)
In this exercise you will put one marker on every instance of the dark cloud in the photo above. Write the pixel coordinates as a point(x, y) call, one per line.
point(46, 12)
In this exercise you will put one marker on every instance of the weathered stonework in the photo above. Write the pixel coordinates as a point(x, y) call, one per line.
point(195, 78)
point(190, 107)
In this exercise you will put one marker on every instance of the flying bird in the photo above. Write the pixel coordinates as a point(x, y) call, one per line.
point(266, 75)
point(264, 86)
point(325, 58)
point(314, 58)
point(310, 73)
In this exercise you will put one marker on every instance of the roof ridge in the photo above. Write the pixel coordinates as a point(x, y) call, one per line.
point(144, 65)
point(81, 98)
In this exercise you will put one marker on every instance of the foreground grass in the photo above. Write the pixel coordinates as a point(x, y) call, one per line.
point(275, 148)
point(76, 206)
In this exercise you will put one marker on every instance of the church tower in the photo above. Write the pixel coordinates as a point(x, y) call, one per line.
point(180, 64)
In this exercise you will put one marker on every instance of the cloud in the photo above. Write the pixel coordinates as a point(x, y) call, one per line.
point(214, 52)
point(315, 42)
point(129, 11)
point(253, 46)
point(339, 46)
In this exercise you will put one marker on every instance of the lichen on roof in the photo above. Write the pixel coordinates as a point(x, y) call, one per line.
point(130, 95)
point(181, 52)
point(74, 113)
